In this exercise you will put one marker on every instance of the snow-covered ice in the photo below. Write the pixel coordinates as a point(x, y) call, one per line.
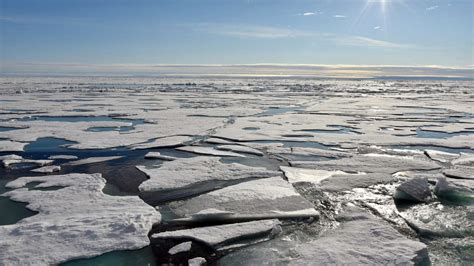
point(75, 221)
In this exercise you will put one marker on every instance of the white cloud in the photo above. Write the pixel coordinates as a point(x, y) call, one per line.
point(309, 14)
point(339, 16)
point(431, 8)
point(377, 28)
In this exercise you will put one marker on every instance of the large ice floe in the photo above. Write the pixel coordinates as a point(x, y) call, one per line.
point(74, 221)
point(190, 176)
point(257, 199)
point(360, 239)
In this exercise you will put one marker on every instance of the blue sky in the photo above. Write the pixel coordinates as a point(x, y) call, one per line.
point(325, 32)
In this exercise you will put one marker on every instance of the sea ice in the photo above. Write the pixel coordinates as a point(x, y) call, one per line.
point(75, 221)
point(92, 160)
point(240, 148)
point(261, 198)
point(209, 151)
point(198, 174)
point(182, 247)
point(360, 239)
point(63, 157)
point(462, 172)
point(416, 189)
point(157, 155)
point(221, 235)
point(198, 261)
point(457, 190)
point(47, 169)
point(371, 163)
point(11, 146)
point(441, 156)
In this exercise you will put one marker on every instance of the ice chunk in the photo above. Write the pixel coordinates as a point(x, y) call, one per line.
point(416, 189)
point(240, 148)
point(11, 157)
point(63, 157)
point(464, 159)
point(11, 146)
point(198, 261)
point(157, 155)
point(441, 156)
point(436, 219)
point(183, 247)
point(209, 151)
point(77, 221)
point(171, 141)
point(47, 169)
point(296, 175)
point(10, 162)
point(457, 190)
point(462, 172)
point(92, 160)
point(222, 235)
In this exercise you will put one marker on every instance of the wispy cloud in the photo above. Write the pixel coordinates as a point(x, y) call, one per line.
point(339, 16)
point(365, 42)
point(250, 31)
point(254, 31)
point(377, 28)
point(431, 8)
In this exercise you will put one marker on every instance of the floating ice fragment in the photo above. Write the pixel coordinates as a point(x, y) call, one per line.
point(416, 189)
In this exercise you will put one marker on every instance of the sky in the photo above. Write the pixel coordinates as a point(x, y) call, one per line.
point(140, 35)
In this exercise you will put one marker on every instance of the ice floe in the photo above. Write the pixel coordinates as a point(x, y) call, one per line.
point(457, 190)
point(11, 146)
point(463, 172)
point(91, 160)
point(158, 155)
point(257, 199)
point(183, 247)
point(416, 190)
point(209, 151)
point(47, 169)
point(63, 157)
point(371, 163)
point(239, 148)
point(76, 221)
point(219, 236)
point(198, 261)
point(360, 239)
point(191, 176)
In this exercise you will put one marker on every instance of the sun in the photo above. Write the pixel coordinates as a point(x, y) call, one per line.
point(383, 6)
